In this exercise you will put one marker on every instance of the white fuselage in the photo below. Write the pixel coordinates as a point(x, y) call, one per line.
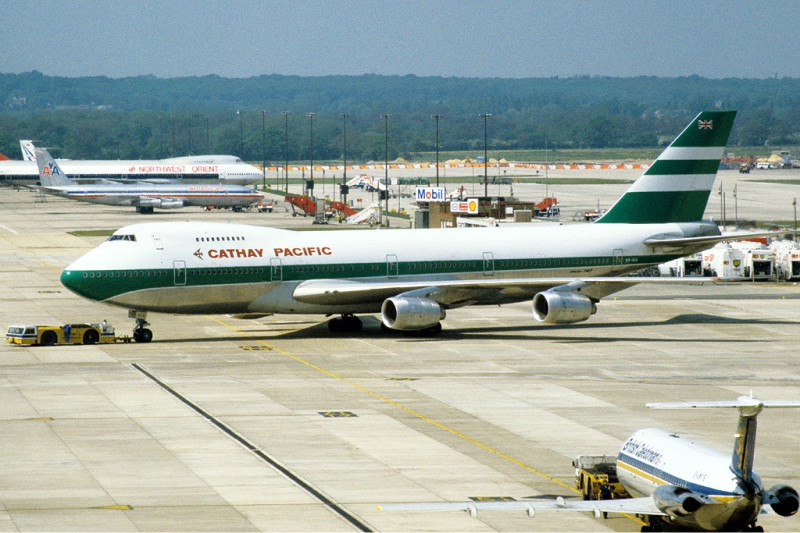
point(652, 458)
point(159, 195)
point(229, 268)
point(191, 169)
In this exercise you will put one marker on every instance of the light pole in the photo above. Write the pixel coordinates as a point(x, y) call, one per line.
point(286, 150)
point(241, 135)
point(344, 153)
point(311, 158)
point(385, 118)
point(735, 207)
point(485, 157)
point(437, 117)
point(794, 205)
point(264, 147)
point(208, 138)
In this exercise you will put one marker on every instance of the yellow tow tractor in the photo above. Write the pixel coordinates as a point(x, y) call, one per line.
point(591, 471)
point(67, 334)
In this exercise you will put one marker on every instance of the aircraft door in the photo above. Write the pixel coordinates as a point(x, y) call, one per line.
point(488, 264)
point(223, 175)
point(157, 241)
point(392, 267)
point(180, 272)
point(275, 269)
point(617, 262)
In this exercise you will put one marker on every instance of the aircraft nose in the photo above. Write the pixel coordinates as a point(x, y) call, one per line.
point(76, 281)
point(69, 280)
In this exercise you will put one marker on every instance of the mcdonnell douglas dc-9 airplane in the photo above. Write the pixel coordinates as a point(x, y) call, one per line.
point(676, 482)
point(144, 197)
point(413, 276)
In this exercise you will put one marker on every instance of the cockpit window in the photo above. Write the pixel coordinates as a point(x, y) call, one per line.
point(122, 238)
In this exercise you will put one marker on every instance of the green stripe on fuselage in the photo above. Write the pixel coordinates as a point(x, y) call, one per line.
point(657, 207)
point(105, 285)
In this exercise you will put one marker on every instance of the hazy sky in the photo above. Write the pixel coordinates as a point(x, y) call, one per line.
point(509, 39)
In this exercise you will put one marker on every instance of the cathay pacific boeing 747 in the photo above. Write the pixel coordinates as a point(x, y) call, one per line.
point(413, 277)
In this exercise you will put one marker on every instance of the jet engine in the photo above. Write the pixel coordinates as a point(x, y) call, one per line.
point(163, 203)
point(171, 204)
point(148, 202)
point(562, 307)
point(410, 314)
point(783, 499)
point(677, 501)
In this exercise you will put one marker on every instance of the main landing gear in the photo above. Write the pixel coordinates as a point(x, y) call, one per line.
point(350, 323)
point(347, 324)
point(140, 332)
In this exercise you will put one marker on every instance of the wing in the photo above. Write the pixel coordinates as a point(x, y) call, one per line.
point(458, 292)
point(640, 506)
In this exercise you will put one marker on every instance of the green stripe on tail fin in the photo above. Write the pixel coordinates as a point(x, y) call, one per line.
point(677, 185)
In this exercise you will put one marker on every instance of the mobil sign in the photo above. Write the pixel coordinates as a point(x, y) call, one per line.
point(430, 194)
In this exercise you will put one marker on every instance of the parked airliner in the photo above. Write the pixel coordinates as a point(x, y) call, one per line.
point(412, 277)
point(677, 483)
point(206, 169)
point(144, 197)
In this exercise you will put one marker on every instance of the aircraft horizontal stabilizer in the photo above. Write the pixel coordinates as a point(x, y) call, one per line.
point(742, 403)
point(707, 240)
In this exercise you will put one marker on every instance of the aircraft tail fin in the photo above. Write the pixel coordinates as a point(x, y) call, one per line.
point(50, 174)
point(28, 150)
point(677, 185)
point(745, 443)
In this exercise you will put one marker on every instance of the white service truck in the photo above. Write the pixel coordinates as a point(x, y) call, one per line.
point(690, 266)
point(787, 260)
point(723, 261)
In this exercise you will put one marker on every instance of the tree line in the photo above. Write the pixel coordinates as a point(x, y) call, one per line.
point(267, 117)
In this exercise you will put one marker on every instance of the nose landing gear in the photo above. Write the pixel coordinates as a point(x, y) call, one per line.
point(140, 332)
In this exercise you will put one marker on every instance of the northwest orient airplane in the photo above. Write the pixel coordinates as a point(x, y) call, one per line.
point(144, 197)
point(225, 169)
point(676, 482)
point(412, 277)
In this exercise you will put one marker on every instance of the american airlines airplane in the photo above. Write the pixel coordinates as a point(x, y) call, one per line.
point(224, 169)
point(677, 483)
point(413, 277)
point(144, 197)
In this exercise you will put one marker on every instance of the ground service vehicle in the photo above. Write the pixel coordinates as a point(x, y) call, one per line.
point(591, 471)
point(66, 334)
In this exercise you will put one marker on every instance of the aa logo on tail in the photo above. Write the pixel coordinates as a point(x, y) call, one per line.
point(50, 170)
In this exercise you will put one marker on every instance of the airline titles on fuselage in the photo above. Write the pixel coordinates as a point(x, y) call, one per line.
point(641, 451)
point(237, 253)
point(304, 251)
point(173, 169)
